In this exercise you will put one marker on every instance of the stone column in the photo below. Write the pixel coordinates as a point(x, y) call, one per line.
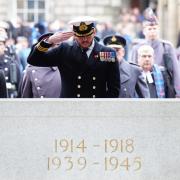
point(3, 10)
point(160, 16)
point(11, 10)
point(172, 21)
point(169, 19)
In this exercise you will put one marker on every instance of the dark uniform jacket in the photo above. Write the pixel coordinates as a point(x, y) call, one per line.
point(133, 83)
point(96, 76)
point(40, 82)
point(12, 74)
point(3, 90)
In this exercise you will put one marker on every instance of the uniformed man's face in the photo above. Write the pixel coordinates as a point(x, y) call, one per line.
point(120, 53)
point(2, 48)
point(85, 41)
point(145, 60)
point(151, 32)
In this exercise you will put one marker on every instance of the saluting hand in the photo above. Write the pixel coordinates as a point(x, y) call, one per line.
point(59, 37)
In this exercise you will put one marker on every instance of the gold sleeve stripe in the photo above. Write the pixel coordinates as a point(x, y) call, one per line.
point(40, 48)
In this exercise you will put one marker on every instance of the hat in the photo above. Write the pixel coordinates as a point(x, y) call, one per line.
point(44, 36)
point(83, 26)
point(114, 41)
point(150, 18)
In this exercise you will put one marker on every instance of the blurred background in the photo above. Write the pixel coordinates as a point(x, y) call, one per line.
point(123, 16)
point(22, 22)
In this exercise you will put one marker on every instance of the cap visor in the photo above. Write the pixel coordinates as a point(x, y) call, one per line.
point(115, 46)
point(82, 35)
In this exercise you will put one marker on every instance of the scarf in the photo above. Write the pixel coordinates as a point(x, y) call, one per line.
point(159, 81)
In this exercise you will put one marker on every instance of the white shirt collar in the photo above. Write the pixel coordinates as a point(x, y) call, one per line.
point(147, 75)
point(90, 48)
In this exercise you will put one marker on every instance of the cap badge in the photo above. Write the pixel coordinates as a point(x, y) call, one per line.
point(113, 39)
point(83, 27)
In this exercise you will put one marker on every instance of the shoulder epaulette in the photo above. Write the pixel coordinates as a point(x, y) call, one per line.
point(166, 42)
point(132, 63)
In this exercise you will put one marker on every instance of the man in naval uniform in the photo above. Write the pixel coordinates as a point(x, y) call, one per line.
point(88, 69)
point(161, 47)
point(133, 83)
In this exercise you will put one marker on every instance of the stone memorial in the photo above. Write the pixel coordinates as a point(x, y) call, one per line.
point(70, 139)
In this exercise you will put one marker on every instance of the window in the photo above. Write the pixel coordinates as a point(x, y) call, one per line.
point(31, 10)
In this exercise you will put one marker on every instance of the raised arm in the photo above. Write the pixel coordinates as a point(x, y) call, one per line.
point(46, 52)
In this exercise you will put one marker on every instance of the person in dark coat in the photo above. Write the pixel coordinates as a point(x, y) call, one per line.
point(10, 68)
point(133, 83)
point(3, 90)
point(88, 69)
point(161, 47)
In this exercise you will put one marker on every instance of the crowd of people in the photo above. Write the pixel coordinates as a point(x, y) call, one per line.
point(88, 59)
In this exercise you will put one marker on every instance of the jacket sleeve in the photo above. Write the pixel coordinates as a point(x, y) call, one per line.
point(43, 55)
point(176, 69)
point(113, 83)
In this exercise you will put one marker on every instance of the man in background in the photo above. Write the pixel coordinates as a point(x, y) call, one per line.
point(156, 76)
point(164, 53)
point(132, 82)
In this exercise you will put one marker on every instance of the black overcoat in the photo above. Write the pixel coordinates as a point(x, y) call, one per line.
point(94, 77)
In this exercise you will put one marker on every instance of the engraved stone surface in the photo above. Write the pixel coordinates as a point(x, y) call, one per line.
point(89, 139)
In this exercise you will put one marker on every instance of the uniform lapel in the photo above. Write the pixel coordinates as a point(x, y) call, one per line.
point(77, 52)
point(94, 56)
point(78, 61)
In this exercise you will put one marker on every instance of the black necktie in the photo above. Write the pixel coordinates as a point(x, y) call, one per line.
point(84, 51)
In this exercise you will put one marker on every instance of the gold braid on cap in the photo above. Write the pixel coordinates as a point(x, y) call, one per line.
point(87, 34)
point(41, 48)
point(83, 27)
